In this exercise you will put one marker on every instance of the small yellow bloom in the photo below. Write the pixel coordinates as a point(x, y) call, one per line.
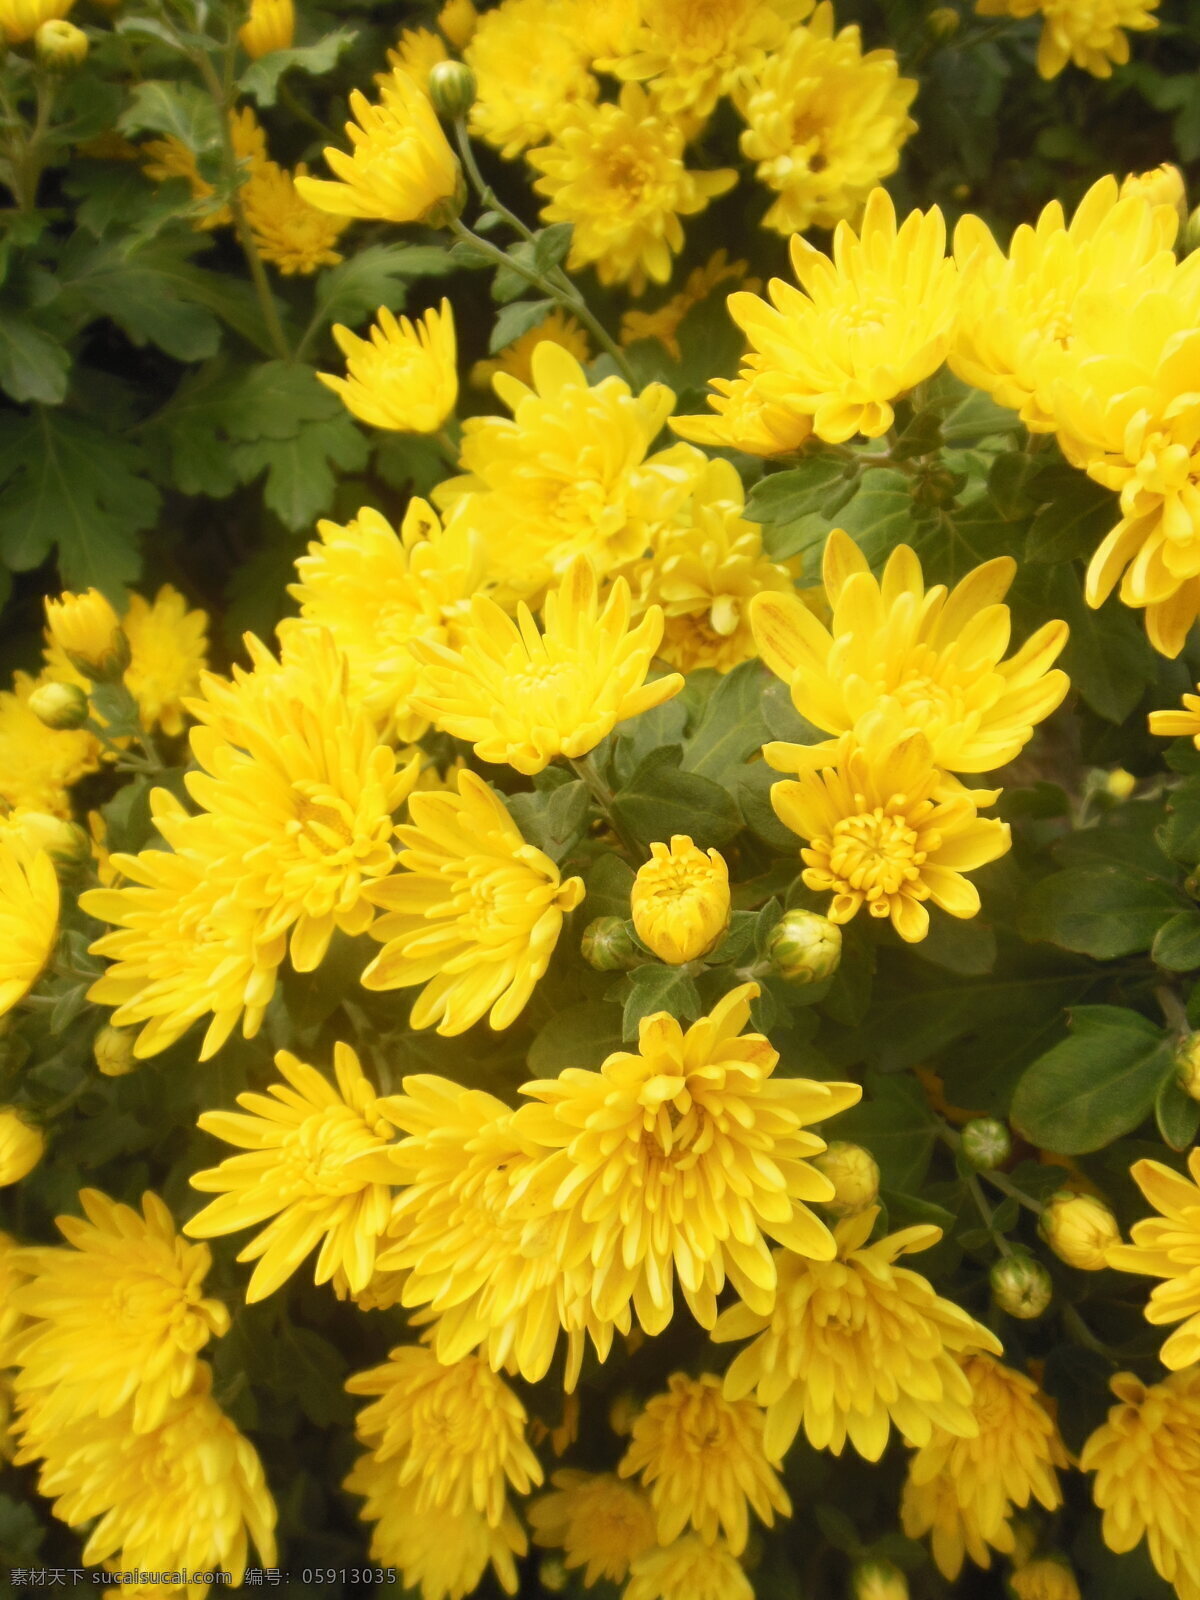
point(704, 1464)
point(1090, 35)
point(60, 46)
point(458, 20)
point(663, 324)
point(1046, 1579)
point(475, 914)
point(271, 26)
point(522, 697)
point(805, 947)
point(21, 19)
point(314, 1166)
point(1163, 186)
point(402, 168)
point(688, 1569)
point(64, 842)
point(1079, 1229)
point(516, 359)
point(854, 1174)
point(29, 900)
point(743, 417)
point(616, 173)
point(292, 235)
point(1184, 724)
point(1144, 1458)
point(517, 106)
point(88, 631)
point(865, 326)
point(36, 769)
point(680, 901)
point(1168, 1247)
point(112, 1051)
point(599, 1523)
point(416, 52)
point(405, 378)
point(21, 1146)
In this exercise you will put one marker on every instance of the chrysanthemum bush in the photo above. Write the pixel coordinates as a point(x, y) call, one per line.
point(599, 799)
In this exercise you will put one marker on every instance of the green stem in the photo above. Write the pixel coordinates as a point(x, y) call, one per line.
point(1082, 1334)
point(1173, 1010)
point(299, 109)
point(448, 448)
point(483, 189)
point(27, 153)
point(585, 768)
point(985, 1211)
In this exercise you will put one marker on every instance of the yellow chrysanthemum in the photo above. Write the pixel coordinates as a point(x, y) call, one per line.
point(598, 1522)
point(38, 765)
point(171, 158)
point(516, 359)
point(402, 168)
point(863, 328)
point(688, 1569)
point(1087, 32)
point(696, 53)
point(616, 173)
point(681, 1160)
point(703, 1463)
point(288, 232)
point(21, 19)
point(883, 830)
point(28, 915)
point(12, 1276)
point(444, 1556)
point(270, 26)
point(117, 1320)
point(405, 377)
point(1045, 1579)
point(567, 475)
point(516, 106)
point(1163, 185)
point(88, 632)
point(1148, 1473)
point(186, 1496)
point(474, 916)
point(964, 1490)
point(1018, 314)
point(375, 590)
point(825, 123)
point(313, 1166)
point(680, 900)
point(1183, 723)
point(744, 417)
point(458, 1431)
point(523, 697)
point(663, 324)
point(417, 52)
point(854, 1347)
point(1168, 1247)
point(22, 1146)
point(935, 658)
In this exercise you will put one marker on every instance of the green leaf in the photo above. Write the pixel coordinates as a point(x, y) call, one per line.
point(550, 245)
point(880, 515)
point(1101, 911)
point(754, 785)
point(580, 1036)
point(102, 279)
point(731, 727)
point(516, 319)
point(966, 947)
point(660, 800)
point(1096, 1085)
point(353, 291)
point(1179, 836)
point(784, 497)
point(300, 479)
point(1107, 657)
point(893, 1121)
point(976, 416)
point(1177, 943)
point(313, 1371)
point(261, 79)
point(33, 365)
point(552, 820)
point(638, 737)
point(1010, 484)
point(657, 988)
point(1177, 1114)
point(608, 887)
point(180, 109)
point(1074, 521)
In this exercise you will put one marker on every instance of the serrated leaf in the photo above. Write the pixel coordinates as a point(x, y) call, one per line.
point(1010, 484)
point(261, 79)
point(880, 514)
point(180, 109)
point(300, 481)
point(656, 988)
point(1096, 1085)
point(660, 800)
point(105, 279)
point(1101, 911)
point(354, 290)
point(1073, 522)
point(731, 727)
point(550, 245)
point(553, 819)
point(33, 365)
point(516, 319)
point(784, 497)
point(579, 1036)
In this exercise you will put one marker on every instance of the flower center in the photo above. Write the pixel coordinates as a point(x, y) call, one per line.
point(877, 852)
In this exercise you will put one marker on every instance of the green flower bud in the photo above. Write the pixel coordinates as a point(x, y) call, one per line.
point(1021, 1286)
point(1187, 1065)
point(452, 89)
point(608, 946)
point(60, 46)
point(59, 705)
point(64, 842)
point(112, 1049)
point(986, 1143)
point(805, 947)
point(854, 1174)
point(943, 22)
point(878, 1580)
point(1079, 1229)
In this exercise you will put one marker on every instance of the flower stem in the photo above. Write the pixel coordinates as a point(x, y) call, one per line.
point(585, 768)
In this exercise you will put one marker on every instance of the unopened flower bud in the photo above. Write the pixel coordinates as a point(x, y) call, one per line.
point(1163, 186)
point(608, 945)
point(805, 947)
point(59, 705)
point(89, 632)
point(1189, 239)
point(452, 89)
point(458, 20)
point(1079, 1229)
point(1047, 1578)
point(21, 1146)
point(67, 845)
point(1120, 784)
point(1021, 1286)
point(878, 1580)
point(271, 26)
point(680, 901)
point(943, 22)
point(112, 1049)
point(1187, 1065)
point(552, 1575)
point(623, 1413)
point(854, 1175)
point(986, 1143)
point(60, 46)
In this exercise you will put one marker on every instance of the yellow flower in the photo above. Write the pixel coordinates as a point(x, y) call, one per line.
point(131, 1278)
point(681, 1159)
point(458, 20)
point(12, 1276)
point(696, 53)
point(28, 916)
point(680, 900)
point(313, 1165)
point(663, 324)
point(825, 123)
point(566, 476)
point(1086, 32)
point(1046, 1579)
point(853, 1172)
point(21, 1146)
point(474, 916)
point(288, 232)
point(1019, 314)
point(445, 1556)
point(39, 765)
point(375, 590)
point(855, 1346)
point(965, 1489)
point(21, 19)
point(599, 1523)
point(417, 52)
point(516, 359)
point(1166, 1247)
point(112, 1051)
point(616, 173)
point(1147, 1476)
point(1080, 1229)
point(864, 327)
point(703, 1463)
point(271, 26)
point(743, 417)
point(522, 697)
point(688, 1569)
point(517, 106)
point(1184, 724)
point(401, 169)
point(405, 378)
point(184, 1496)
point(935, 658)
point(883, 832)
point(459, 1432)
point(1162, 186)
point(88, 632)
